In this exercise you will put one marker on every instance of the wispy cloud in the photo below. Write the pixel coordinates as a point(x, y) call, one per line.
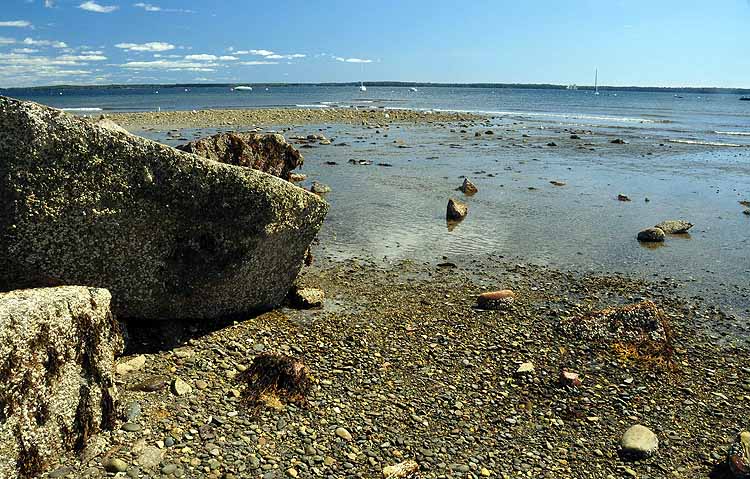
point(292, 56)
point(92, 6)
point(49, 3)
point(146, 47)
point(7, 41)
point(201, 57)
point(44, 43)
point(83, 58)
point(262, 53)
point(25, 50)
point(155, 8)
point(16, 23)
point(353, 60)
point(173, 65)
point(259, 62)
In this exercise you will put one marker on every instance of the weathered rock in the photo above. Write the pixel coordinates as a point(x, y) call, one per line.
point(170, 234)
point(105, 122)
point(114, 465)
point(297, 177)
point(57, 349)
point(622, 197)
point(525, 368)
point(618, 141)
point(738, 458)
point(569, 379)
point(306, 298)
point(639, 441)
point(319, 188)
point(651, 235)
point(402, 470)
point(180, 387)
point(457, 210)
point(343, 434)
point(674, 226)
point(133, 364)
point(267, 153)
point(557, 183)
point(468, 188)
point(498, 300)
point(151, 457)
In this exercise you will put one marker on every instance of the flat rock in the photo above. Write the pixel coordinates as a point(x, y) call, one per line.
point(133, 364)
point(343, 434)
point(651, 235)
point(674, 226)
point(402, 470)
point(269, 153)
point(180, 387)
point(496, 299)
point(639, 441)
point(57, 347)
point(170, 234)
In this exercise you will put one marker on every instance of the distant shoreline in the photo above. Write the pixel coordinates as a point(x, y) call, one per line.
point(521, 86)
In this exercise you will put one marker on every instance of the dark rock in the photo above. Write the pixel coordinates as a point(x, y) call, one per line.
point(551, 143)
point(622, 197)
point(57, 347)
point(268, 153)
point(557, 183)
point(457, 210)
point(651, 235)
point(575, 137)
point(618, 141)
point(170, 234)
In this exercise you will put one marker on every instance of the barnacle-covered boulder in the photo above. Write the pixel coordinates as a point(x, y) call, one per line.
point(57, 388)
point(170, 234)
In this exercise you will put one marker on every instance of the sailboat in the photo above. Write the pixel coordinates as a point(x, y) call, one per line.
point(362, 86)
point(596, 82)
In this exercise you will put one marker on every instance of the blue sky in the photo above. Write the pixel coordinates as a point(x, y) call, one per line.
point(631, 42)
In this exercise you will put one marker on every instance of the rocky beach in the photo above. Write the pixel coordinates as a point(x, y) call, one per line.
point(605, 358)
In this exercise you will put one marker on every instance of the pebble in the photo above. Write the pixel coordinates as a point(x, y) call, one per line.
point(180, 387)
point(115, 465)
point(131, 427)
point(343, 434)
point(639, 441)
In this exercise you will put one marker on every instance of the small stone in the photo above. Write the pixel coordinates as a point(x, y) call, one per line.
point(622, 197)
point(180, 387)
point(156, 383)
point(169, 469)
point(497, 300)
point(201, 384)
point(651, 235)
point(618, 141)
point(457, 210)
point(115, 465)
point(169, 441)
point(557, 183)
point(639, 441)
point(401, 470)
point(131, 427)
point(306, 298)
point(468, 188)
point(131, 365)
point(150, 458)
point(132, 411)
point(569, 379)
point(484, 472)
point(292, 472)
point(525, 368)
point(319, 188)
point(343, 434)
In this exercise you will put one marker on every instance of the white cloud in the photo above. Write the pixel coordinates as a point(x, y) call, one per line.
point(285, 57)
point(228, 58)
point(155, 8)
point(7, 41)
point(92, 6)
point(16, 23)
point(201, 57)
point(83, 58)
point(146, 47)
point(92, 52)
point(353, 60)
point(262, 53)
point(25, 50)
point(170, 65)
point(44, 43)
point(49, 3)
point(259, 63)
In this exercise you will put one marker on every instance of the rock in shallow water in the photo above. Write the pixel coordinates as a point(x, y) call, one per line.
point(651, 235)
point(639, 441)
point(456, 210)
point(170, 234)
point(674, 226)
point(57, 347)
point(468, 188)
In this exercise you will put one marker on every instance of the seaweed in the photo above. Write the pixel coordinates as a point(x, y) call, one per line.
point(274, 376)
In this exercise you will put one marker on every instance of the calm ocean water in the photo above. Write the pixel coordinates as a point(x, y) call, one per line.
point(720, 118)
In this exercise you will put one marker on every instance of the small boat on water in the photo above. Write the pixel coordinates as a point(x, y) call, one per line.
point(745, 98)
point(243, 88)
point(362, 86)
point(413, 89)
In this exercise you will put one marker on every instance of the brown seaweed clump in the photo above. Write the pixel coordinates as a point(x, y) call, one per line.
point(637, 331)
point(274, 377)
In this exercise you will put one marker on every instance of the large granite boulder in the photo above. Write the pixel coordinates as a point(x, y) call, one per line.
point(170, 234)
point(57, 350)
point(268, 153)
